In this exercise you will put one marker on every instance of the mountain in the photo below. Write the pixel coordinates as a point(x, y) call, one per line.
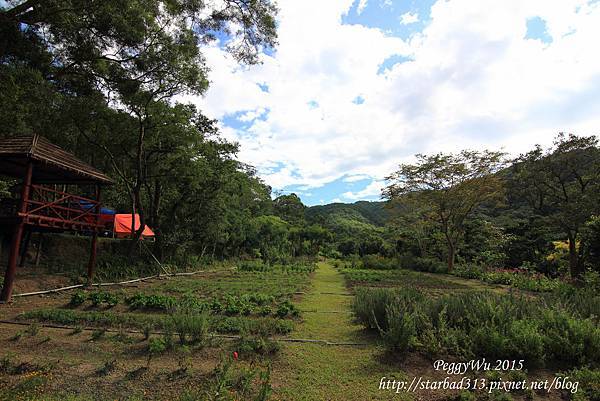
point(368, 213)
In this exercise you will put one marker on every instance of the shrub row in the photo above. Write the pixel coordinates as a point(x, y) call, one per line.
point(513, 277)
point(260, 266)
point(96, 298)
point(479, 324)
point(222, 325)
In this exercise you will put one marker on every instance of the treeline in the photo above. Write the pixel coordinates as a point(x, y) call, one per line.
point(103, 79)
point(539, 211)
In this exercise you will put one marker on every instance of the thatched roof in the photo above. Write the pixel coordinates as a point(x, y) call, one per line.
point(52, 165)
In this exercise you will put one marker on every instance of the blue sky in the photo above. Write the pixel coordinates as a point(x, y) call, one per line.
point(356, 87)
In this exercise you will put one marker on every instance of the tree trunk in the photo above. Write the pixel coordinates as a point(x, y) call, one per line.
point(137, 201)
point(573, 257)
point(451, 254)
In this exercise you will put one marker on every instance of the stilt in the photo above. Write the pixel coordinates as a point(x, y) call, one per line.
point(38, 253)
point(92, 262)
point(9, 277)
point(93, 251)
point(25, 247)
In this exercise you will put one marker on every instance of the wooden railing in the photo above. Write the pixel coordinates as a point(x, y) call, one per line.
point(50, 207)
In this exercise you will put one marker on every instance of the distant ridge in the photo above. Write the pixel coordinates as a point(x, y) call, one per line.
point(372, 213)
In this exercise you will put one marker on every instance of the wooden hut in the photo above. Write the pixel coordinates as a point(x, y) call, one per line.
point(47, 172)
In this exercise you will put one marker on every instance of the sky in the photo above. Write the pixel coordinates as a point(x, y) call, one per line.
point(356, 87)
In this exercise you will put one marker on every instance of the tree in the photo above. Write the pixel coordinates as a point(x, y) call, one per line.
point(561, 184)
point(451, 186)
point(133, 54)
point(290, 208)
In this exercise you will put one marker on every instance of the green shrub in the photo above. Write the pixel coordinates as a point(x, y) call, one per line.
point(479, 324)
point(256, 345)
point(526, 342)
point(153, 302)
point(156, 346)
point(77, 298)
point(400, 333)
point(191, 327)
point(253, 266)
point(287, 309)
point(100, 297)
point(589, 384)
point(378, 262)
point(370, 304)
point(470, 271)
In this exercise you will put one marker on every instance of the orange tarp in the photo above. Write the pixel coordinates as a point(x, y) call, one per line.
point(122, 226)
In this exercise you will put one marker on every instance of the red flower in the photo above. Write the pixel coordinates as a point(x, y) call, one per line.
point(235, 355)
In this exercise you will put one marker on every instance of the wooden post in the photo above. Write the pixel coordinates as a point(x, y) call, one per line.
point(9, 276)
point(25, 247)
point(38, 253)
point(93, 251)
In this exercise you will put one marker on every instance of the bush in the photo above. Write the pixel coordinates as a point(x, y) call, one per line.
point(378, 262)
point(191, 327)
point(469, 271)
point(101, 297)
point(155, 302)
point(589, 384)
point(479, 324)
point(256, 345)
point(287, 309)
point(370, 304)
point(426, 264)
point(400, 334)
point(77, 298)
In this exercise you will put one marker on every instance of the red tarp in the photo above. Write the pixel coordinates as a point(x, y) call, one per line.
point(123, 226)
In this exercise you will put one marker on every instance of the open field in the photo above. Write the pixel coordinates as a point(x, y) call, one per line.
point(124, 342)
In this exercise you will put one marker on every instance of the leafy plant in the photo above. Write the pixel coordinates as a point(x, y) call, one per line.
point(77, 298)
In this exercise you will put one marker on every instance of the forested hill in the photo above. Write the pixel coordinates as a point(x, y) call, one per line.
point(365, 212)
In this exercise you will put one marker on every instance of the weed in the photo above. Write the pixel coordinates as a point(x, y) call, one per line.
point(33, 329)
point(18, 335)
point(107, 368)
point(76, 330)
point(156, 346)
point(98, 334)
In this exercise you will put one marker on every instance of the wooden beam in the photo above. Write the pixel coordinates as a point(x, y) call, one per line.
point(9, 276)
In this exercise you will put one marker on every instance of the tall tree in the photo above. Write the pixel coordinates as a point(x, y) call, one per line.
point(134, 53)
point(561, 184)
point(451, 186)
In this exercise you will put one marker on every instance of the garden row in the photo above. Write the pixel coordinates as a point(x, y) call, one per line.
point(518, 278)
point(246, 304)
point(541, 331)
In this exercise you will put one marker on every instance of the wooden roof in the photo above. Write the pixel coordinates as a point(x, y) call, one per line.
point(52, 164)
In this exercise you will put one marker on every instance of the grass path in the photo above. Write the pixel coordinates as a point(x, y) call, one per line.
point(320, 372)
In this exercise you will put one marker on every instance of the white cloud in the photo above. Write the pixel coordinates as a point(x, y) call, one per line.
point(409, 18)
point(361, 6)
point(357, 177)
point(474, 82)
point(371, 190)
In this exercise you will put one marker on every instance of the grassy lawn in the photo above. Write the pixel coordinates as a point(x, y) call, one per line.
point(321, 372)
